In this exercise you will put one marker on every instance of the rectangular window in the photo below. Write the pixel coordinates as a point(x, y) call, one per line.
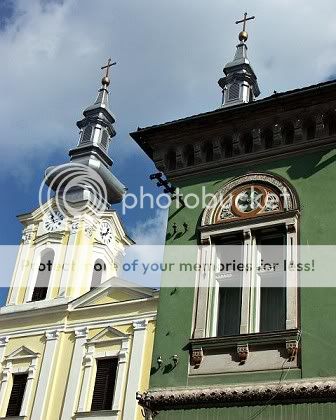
point(261, 305)
point(229, 286)
point(17, 394)
point(104, 384)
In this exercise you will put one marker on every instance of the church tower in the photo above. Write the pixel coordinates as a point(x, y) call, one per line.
point(75, 339)
point(75, 231)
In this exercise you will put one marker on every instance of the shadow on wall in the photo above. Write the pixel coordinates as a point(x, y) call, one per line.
point(306, 168)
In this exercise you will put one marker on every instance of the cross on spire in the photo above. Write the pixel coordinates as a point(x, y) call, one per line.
point(244, 20)
point(243, 35)
point(107, 66)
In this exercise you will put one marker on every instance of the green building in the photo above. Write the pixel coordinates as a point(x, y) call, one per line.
point(248, 352)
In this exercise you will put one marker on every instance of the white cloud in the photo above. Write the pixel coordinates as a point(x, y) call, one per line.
point(170, 55)
point(152, 230)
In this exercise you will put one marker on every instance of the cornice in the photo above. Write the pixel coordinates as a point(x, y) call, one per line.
point(303, 391)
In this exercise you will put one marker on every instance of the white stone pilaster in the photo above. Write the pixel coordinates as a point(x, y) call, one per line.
point(46, 374)
point(88, 369)
point(29, 387)
point(135, 368)
point(74, 375)
point(121, 376)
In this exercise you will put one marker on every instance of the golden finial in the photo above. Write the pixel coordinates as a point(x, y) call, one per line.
point(243, 35)
point(106, 79)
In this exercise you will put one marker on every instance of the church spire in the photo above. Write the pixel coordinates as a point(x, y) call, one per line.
point(239, 84)
point(90, 155)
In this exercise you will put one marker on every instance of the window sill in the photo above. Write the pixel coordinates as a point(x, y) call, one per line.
point(101, 415)
point(254, 339)
point(244, 352)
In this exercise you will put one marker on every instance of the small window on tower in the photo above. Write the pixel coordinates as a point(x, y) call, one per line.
point(234, 92)
point(104, 139)
point(86, 138)
point(43, 276)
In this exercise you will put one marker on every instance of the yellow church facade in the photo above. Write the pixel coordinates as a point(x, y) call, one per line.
point(75, 340)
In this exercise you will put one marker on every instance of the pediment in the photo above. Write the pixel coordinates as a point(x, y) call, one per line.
point(112, 291)
point(22, 352)
point(108, 334)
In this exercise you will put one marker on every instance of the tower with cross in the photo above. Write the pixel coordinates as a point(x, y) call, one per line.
point(96, 131)
point(239, 85)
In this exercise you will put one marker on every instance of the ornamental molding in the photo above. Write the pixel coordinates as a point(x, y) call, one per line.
point(289, 198)
point(304, 391)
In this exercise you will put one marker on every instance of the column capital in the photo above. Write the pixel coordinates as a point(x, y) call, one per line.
point(52, 335)
point(140, 324)
point(81, 332)
point(3, 341)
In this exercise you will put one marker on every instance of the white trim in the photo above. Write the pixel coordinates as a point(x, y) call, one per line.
point(134, 371)
point(11, 369)
point(88, 363)
point(46, 373)
point(250, 314)
point(74, 373)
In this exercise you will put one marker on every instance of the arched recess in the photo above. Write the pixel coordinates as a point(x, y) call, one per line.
point(273, 194)
point(171, 160)
point(330, 123)
point(267, 138)
point(247, 142)
point(309, 128)
point(189, 155)
point(227, 147)
point(44, 274)
point(98, 273)
point(287, 132)
point(207, 150)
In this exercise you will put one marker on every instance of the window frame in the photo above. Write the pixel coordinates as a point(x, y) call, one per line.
point(250, 299)
point(205, 324)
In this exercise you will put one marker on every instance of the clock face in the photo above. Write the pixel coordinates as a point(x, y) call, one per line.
point(53, 220)
point(106, 232)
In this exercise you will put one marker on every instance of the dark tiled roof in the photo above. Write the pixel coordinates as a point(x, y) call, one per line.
point(273, 97)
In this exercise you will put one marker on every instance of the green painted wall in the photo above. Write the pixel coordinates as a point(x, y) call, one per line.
point(313, 176)
point(313, 411)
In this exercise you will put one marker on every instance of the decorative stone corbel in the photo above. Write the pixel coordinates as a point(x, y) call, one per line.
point(236, 146)
point(243, 351)
point(198, 153)
point(298, 132)
point(196, 357)
point(277, 137)
point(320, 129)
point(158, 158)
point(217, 150)
point(292, 347)
point(257, 145)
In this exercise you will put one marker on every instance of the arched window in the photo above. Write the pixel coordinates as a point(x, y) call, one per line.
point(189, 155)
point(247, 226)
point(287, 132)
point(309, 127)
point(171, 160)
point(247, 142)
point(208, 151)
point(267, 138)
point(98, 271)
point(43, 276)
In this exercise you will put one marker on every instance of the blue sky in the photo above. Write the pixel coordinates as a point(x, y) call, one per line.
point(170, 55)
